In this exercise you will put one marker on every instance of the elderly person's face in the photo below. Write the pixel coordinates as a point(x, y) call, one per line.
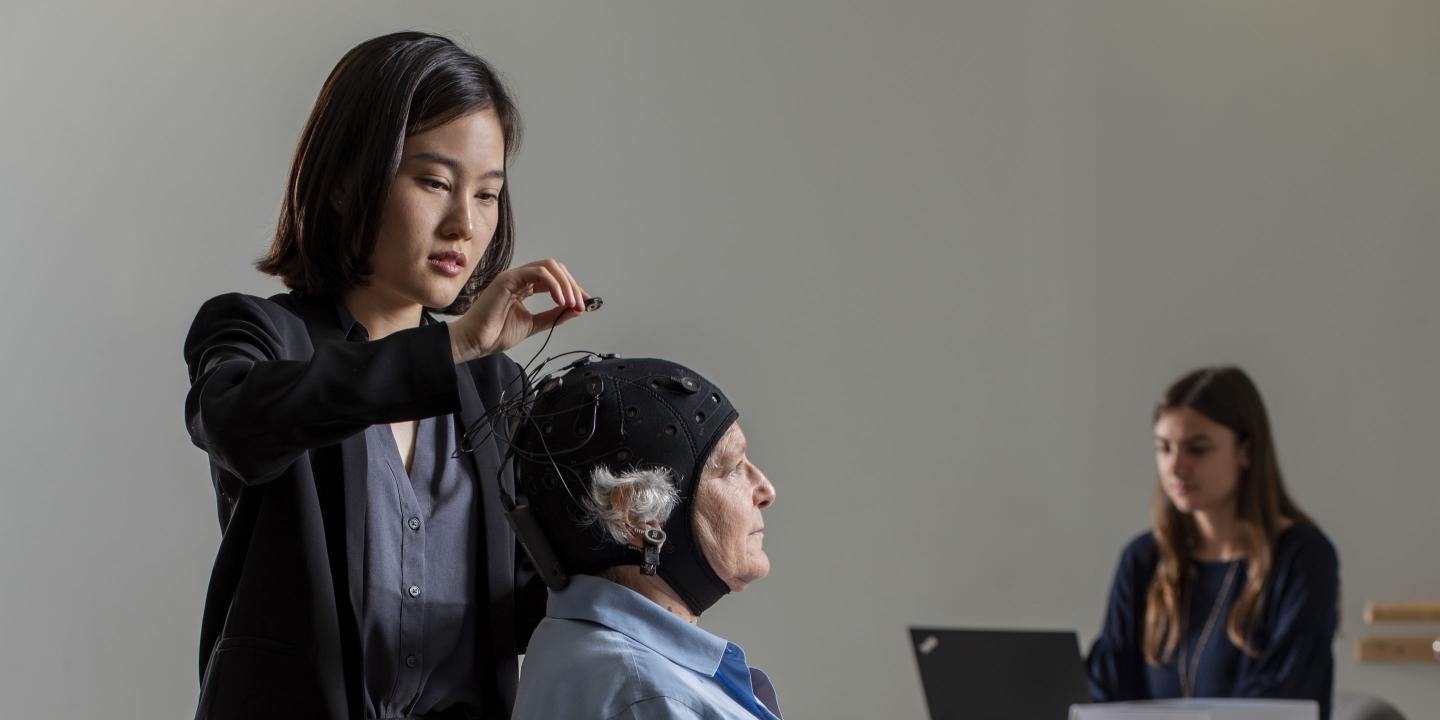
point(731, 494)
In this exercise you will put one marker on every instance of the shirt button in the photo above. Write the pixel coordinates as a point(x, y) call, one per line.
point(414, 523)
point(414, 591)
point(411, 661)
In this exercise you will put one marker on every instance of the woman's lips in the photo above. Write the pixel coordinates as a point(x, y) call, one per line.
point(450, 263)
point(447, 268)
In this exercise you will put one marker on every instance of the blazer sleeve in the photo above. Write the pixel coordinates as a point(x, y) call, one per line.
point(1116, 665)
point(255, 407)
point(1296, 659)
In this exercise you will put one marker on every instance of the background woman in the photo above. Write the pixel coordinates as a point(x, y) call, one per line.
point(1233, 592)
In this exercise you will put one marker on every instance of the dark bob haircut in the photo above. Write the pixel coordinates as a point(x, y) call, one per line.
point(383, 91)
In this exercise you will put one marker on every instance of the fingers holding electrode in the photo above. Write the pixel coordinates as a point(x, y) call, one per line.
point(575, 294)
point(580, 300)
point(570, 297)
point(540, 277)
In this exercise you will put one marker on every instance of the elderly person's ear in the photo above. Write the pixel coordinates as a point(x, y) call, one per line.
point(631, 527)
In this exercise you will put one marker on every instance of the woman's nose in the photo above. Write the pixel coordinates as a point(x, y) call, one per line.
point(459, 222)
point(1176, 466)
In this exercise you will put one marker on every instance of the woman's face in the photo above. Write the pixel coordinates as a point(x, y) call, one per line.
point(727, 513)
point(441, 211)
point(1199, 461)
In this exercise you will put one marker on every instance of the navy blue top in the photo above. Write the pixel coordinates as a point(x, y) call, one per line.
point(1293, 636)
point(419, 607)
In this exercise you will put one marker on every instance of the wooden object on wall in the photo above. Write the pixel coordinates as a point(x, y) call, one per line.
point(1413, 648)
point(1402, 612)
point(1397, 649)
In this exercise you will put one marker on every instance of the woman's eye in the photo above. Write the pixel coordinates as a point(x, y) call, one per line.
point(488, 197)
point(434, 184)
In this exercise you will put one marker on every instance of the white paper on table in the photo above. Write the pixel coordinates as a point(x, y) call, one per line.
point(1199, 709)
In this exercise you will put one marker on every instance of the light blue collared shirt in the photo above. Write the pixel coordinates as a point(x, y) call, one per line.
point(604, 651)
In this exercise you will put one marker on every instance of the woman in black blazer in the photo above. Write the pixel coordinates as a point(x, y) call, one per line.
point(365, 567)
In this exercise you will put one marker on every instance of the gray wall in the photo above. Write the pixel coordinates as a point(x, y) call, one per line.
point(943, 256)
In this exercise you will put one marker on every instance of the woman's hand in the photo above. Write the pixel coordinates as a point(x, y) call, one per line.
point(498, 319)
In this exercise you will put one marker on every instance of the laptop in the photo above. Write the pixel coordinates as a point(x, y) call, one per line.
point(999, 674)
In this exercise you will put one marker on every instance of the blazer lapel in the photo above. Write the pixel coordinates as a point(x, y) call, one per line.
point(354, 459)
point(498, 559)
point(323, 323)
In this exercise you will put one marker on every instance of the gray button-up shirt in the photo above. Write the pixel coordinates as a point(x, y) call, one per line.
point(420, 611)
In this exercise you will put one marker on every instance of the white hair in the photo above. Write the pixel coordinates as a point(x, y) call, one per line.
point(650, 493)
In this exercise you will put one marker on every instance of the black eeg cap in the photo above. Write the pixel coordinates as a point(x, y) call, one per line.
point(622, 413)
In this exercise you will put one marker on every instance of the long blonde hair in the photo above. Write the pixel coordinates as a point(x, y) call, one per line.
point(1227, 396)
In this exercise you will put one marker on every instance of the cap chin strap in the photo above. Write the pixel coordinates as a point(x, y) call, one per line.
point(693, 581)
point(699, 587)
point(687, 570)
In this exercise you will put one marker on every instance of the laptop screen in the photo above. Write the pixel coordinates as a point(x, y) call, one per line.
point(995, 674)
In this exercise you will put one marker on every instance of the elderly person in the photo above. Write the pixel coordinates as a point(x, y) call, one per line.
point(641, 510)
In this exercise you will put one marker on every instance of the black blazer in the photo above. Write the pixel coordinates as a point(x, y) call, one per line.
point(279, 400)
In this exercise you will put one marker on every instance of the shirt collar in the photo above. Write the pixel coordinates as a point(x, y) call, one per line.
point(355, 330)
point(348, 324)
point(631, 614)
